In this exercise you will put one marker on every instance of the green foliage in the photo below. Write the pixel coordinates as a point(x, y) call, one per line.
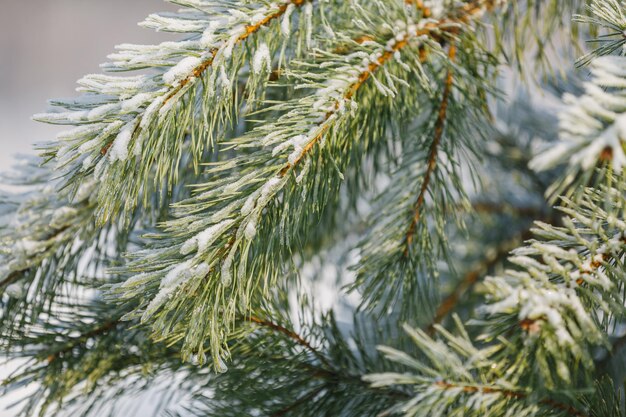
point(175, 231)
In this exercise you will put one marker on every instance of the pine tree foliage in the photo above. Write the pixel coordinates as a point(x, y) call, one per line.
point(166, 243)
point(591, 128)
point(222, 222)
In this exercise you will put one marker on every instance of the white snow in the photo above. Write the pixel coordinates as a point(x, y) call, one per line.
point(16, 290)
point(226, 273)
point(184, 69)
point(285, 24)
point(63, 216)
point(151, 111)
point(592, 124)
point(206, 238)
point(308, 18)
point(250, 230)
point(250, 202)
point(119, 149)
point(224, 80)
point(262, 60)
point(176, 277)
point(133, 104)
point(30, 247)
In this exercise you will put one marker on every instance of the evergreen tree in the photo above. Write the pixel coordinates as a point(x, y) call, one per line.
point(412, 157)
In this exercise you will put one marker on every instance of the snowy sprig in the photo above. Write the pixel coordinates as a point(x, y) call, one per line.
point(126, 122)
point(592, 127)
point(452, 376)
point(564, 281)
point(609, 16)
point(409, 216)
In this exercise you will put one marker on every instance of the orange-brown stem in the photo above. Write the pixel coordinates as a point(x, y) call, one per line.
point(432, 155)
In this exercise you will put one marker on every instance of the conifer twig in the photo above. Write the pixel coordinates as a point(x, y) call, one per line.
point(434, 148)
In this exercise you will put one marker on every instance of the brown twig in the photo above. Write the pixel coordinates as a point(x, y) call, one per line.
point(12, 277)
point(432, 155)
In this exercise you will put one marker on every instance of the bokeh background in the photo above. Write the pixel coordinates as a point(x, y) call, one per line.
point(45, 46)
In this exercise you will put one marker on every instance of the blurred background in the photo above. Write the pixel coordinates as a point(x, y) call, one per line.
point(45, 46)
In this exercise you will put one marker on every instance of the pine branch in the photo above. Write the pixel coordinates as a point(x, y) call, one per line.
point(606, 14)
point(290, 130)
point(453, 372)
point(306, 398)
point(130, 123)
point(510, 394)
point(589, 132)
point(549, 312)
point(234, 207)
point(389, 269)
point(101, 329)
point(470, 279)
